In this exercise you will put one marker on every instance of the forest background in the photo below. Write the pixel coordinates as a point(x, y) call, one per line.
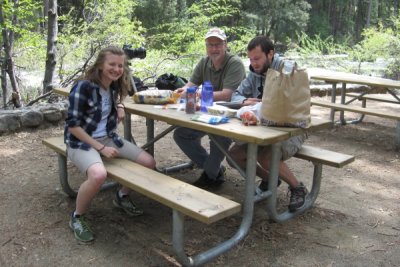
point(58, 39)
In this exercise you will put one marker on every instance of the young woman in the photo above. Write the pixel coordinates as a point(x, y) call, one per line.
point(95, 108)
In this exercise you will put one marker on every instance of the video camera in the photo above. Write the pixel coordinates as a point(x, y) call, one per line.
point(134, 52)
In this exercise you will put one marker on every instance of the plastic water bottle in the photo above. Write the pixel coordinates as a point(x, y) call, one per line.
point(288, 66)
point(190, 107)
point(207, 96)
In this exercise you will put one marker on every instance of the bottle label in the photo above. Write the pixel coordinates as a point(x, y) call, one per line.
point(190, 103)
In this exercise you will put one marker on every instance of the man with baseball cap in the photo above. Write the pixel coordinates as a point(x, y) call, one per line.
point(225, 71)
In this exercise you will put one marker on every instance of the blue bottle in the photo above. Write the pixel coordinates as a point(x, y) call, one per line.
point(207, 96)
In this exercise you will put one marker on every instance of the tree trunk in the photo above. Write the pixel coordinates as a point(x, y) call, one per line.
point(369, 13)
point(45, 10)
point(4, 82)
point(51, 47)
point(8, 42)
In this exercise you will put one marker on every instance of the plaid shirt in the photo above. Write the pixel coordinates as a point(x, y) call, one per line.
point(85, 111)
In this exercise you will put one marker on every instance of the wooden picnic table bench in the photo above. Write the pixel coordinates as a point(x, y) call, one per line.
point(387, 98)
point(335, 77)
point(355, 109)
point(192, 201)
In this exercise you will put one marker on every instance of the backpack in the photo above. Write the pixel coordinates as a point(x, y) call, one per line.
point(169, 81)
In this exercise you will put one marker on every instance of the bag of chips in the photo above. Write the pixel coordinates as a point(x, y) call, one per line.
point(154, 96)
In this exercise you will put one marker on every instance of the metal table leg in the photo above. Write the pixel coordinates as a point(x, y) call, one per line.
point(273, 182)
point(397, 137)
point(333, 100)
point(248, 210)
point(342, 101)
point(63, 175)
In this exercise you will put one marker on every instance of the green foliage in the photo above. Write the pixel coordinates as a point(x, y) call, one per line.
point(104, 23)
point(179, 44)
point(315, 46)
point(319, 26)
point(29, 43)
point(280, 20)
point(186, 35)
point(26, 13)
point(155, 12)
point(376, 43)
point(381, 42)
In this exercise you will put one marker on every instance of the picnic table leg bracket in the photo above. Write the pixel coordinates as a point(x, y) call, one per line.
point(310, 200)
point(316, 185)
point(63, 176)
point(342, 120)
point(127, 129)
point(342, 100)
point(397, 137)
point(150, 135)
point(248, 210)
point(333, 100)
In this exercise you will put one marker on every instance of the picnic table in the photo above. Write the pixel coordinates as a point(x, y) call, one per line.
point(255, 136)
point(187, 200)
point(335, 77)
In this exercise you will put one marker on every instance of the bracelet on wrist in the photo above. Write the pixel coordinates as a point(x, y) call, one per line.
point(104, 146)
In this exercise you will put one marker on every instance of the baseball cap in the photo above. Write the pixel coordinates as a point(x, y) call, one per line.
point(216, 32)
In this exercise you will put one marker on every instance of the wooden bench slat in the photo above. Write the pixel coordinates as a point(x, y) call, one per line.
point(188, 199)
point(57, 144)
point(367, 111)
point(376, 97)
point(176, 194)
point(326, 157)
point(61, 91)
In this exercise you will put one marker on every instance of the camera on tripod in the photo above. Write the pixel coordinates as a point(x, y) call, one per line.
point(134, 52)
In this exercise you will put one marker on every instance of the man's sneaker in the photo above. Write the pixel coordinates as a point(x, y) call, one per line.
point(264, 186)
point(81, 229)
point(297, 197)
point(207, 183)
point(125, 203)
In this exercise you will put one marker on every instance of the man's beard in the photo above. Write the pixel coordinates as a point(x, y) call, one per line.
point(265, 68)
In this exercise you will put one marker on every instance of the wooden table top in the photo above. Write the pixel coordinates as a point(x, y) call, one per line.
point(335, 77)
point(234, 129)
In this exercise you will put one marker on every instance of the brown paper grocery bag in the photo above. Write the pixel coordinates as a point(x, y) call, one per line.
point(286, 98)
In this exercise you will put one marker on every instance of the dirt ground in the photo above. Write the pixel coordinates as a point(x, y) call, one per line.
point(355, 220)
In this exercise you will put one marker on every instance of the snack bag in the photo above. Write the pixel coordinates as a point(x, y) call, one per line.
point(154, 96)
point(210, 119)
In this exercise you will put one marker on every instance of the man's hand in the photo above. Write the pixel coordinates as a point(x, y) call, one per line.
point(249, 118)
point(251, 101)
point(181, 90)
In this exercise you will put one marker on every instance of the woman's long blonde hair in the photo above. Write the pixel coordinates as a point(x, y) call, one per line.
point(93, 73)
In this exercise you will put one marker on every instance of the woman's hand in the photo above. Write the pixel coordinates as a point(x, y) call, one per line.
point(120, 114)
point(108, 152)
